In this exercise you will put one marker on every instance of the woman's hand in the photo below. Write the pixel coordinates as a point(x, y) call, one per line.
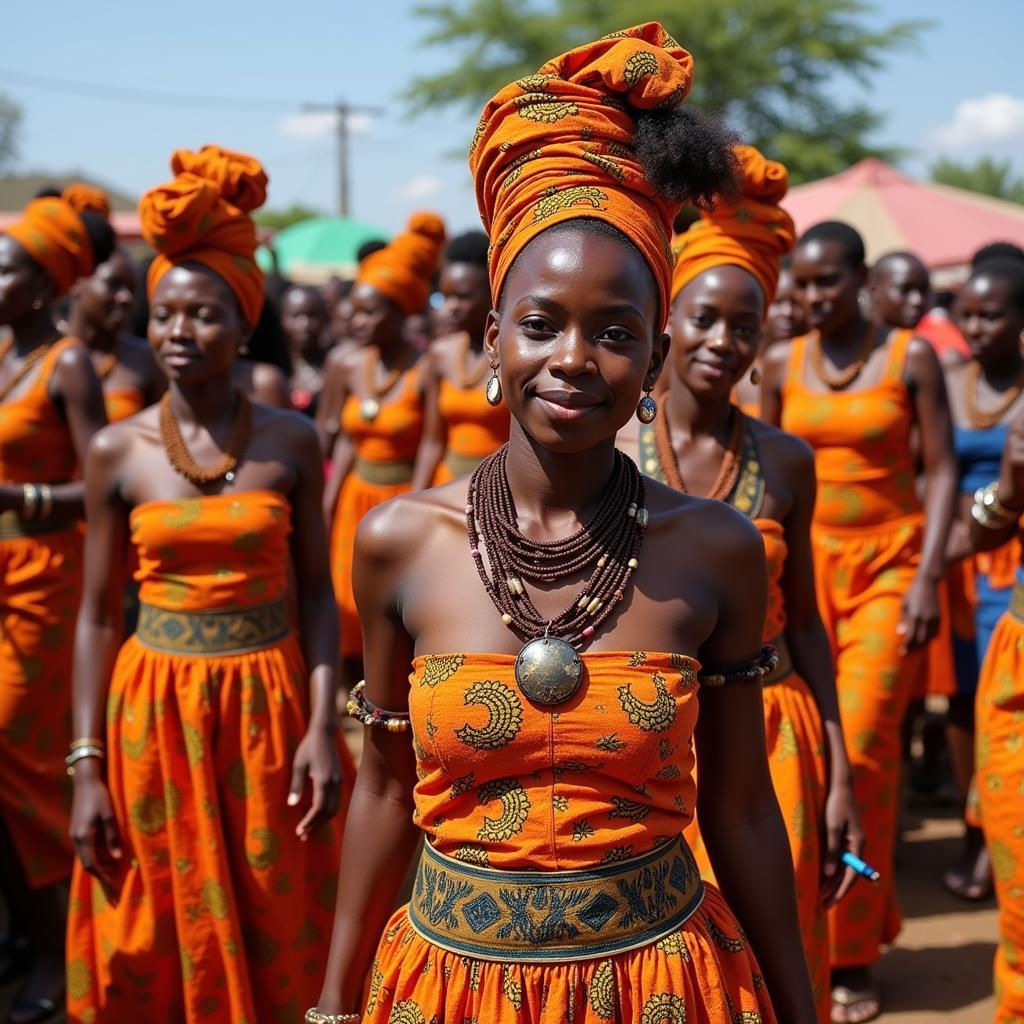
point(317, 757)
point(843, 832)
point(94, 829)
point(919, 621)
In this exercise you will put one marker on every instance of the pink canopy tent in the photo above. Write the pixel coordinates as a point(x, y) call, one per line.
point(943, 225)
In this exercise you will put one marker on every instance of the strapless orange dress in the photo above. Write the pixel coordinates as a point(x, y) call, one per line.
point(221, 914)
point(508, 790)
point(475, 429)
point(385, 453)
point(40, 586)
point(867, 536)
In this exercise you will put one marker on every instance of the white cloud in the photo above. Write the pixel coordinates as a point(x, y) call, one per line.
point(421, 187)
point(997, 117)
point(320, 124)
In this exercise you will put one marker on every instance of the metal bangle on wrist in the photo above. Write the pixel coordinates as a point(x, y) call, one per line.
point(314, 1016)
point(989, 512)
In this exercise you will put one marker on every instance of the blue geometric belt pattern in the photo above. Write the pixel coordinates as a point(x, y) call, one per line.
point(232, 631)
point(542, 916)
point(1017, 601)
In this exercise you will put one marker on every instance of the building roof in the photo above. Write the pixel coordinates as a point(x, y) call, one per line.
point(17, 190)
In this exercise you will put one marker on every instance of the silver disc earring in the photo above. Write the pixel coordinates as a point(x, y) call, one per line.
point(646, 408)
point(493, 392)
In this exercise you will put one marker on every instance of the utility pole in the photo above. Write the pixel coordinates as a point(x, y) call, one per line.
point(342, 111)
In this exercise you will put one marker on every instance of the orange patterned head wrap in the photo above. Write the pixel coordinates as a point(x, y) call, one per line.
point(84, 198)
point(558, 145)
point(403, 270)
point(203, 217)
point(53, 234)
point(748, 230)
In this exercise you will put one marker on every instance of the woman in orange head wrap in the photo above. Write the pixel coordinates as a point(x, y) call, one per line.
point(727, 268)
point(553, 788)
point(206, 750)
point(50, 406)
point(371, 407)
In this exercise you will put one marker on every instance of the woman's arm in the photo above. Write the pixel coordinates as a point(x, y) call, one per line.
point(97, 638)
point(343, 450)
point(317, 754)
point(812, 658)
point(736, 805)
point(920, 619)
point(773, 372)
point(270, 386)
point(432, 446)
point(1010, 491)
point(331, 400)
point(380, 836)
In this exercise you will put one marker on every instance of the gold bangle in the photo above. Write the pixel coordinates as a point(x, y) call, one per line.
point(29, 501)
point(314, 1016)
point(87, 741)
point(47, 501)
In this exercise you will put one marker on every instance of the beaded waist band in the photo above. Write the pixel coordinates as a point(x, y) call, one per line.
point(233, 631)
point(384, 473)
point(554, 916)
point(785, 666)
point(14, 526)
point(1017, 600)
point(461, 465)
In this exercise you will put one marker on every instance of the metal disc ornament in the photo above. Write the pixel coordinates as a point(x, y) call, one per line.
point(548, 670)
point(369, 409)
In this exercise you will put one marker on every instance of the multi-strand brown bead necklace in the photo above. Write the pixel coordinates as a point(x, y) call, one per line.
point(729, 472)
point(840, 381)
point(985, 420)
point(31, 360)
point(548, 669)
point(181, 458)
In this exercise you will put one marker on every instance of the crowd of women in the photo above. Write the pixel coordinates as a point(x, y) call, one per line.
point(631, 575)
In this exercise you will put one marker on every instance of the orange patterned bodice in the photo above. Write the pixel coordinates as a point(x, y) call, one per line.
point(475, 427)
point(212, 552)
point(775, 549)
point(123, 402)
point(35, 444)
point(604, 776)
point(394, 436)
point(861, 441)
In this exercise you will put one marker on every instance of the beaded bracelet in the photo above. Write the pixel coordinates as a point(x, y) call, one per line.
point(752, 672)
point(314, 1016)
point(364, 710)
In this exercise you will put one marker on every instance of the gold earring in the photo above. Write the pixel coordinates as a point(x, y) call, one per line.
point(493, 392)
point(755, 376)
point(646, 408)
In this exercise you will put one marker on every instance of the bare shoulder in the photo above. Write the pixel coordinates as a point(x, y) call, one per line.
point(290, 426)
point(266, 375)
point(921, 352)
point(776, 357)
point(786, 451)
point(111, 445)
point(73, 358)
point(342, 359)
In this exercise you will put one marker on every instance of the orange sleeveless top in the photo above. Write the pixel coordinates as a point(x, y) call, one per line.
point(775, 550)
point(394, 436)
point(213, 552)
point(475, 427)
point(861, 441)
point(35, 443)
point(607, 775)
point(122, 403)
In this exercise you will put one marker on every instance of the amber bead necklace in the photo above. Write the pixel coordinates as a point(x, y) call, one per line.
point(31, 360)
point(181, 458)
point(729, 471)
point(978, 418)
point(841, 381)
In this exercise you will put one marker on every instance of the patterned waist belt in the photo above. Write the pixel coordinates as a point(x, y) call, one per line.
point(461, 465)
point(1017, 601)
point(233, 631)
point(785, 667)
point(545, 916)
point(384, 473)
point(13, 526)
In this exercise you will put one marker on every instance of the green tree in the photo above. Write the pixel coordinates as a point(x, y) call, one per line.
point(10, 125)
point(987, 175)
point(766, 67)
point(281, 219)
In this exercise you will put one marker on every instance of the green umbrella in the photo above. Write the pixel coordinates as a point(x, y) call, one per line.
point(316, 248)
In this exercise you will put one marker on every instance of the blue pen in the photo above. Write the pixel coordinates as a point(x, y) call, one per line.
point(862, 869)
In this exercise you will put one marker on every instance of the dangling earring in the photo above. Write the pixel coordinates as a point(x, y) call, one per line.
point(37, 303)
point(755, 376)
point(243, 349)
point(493, 391)
point(646, 408)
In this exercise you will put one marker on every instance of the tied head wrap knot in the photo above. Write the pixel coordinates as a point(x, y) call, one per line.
point(748, 230)
point(53, 234)
point(404, 269)
point(87, 199)
point(203, 216)
point(559, 145)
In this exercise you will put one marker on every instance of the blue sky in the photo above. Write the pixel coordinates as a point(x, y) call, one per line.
point(959, 91)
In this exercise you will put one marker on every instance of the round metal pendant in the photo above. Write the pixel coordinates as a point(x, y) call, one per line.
point(369, 409)
point(548, 670)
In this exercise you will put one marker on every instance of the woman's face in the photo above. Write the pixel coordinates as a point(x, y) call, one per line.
point(827, 287)
point(22, 282)
point(195, 327)
point(716, 328)
point(376, 320)
point(988, 319)
point(467, 299)
point(303, 318)
point(107, 298)
point(785, 317)
point(576, 338)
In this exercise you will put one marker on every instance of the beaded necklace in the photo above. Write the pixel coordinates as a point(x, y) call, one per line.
point(181, 458)
point(548, 669)
point(985, 420)
point(34, 357)
point(841, 381)
point(728, 472)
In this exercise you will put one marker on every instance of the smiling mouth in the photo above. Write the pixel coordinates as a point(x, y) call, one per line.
point(567, 405)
